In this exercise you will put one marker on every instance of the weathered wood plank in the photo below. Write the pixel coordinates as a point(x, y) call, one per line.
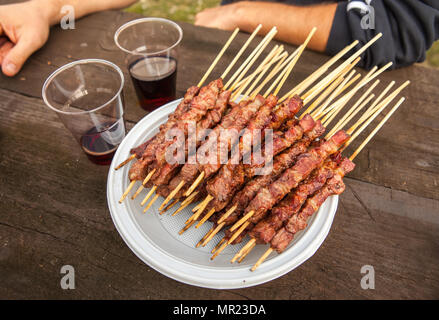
point(54, 212)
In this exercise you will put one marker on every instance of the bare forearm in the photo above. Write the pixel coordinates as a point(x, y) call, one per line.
point(52, 8)
point(293, 22)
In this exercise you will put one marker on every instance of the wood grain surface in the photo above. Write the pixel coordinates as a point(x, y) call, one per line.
point(53, 200)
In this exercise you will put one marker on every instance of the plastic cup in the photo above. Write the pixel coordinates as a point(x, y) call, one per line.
point(87, 97)
point(151, 55)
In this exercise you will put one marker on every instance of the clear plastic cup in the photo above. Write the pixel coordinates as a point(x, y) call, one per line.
point(87, 97)
point(151, 55)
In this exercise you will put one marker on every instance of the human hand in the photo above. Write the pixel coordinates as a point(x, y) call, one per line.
point(24, 28)
point(222, 17)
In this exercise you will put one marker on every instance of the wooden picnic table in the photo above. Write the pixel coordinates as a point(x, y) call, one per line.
point(53, 207)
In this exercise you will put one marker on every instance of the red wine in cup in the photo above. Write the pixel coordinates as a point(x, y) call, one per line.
point(97, 145)
point(154, 80)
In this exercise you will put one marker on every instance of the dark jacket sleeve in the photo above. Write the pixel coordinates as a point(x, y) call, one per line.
point(409, 29)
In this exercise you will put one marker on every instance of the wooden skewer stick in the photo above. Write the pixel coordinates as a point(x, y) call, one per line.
point(213, 233)
point(379, 109)
point(202, 208)
point(374, 105)
point(353, 111)
point(284, 68)
point(372, 74)
point(142, 186)
point(172, 204)
point(376, 74)
point(207, 216)
point(205, 202)
point(331, 116)
point(276, 50)
point(130, 186)
point(223, 217)
point(233, 80)
point(350, 59)
point(280, 65)
point(242, 70)
point(277, 56)
point(139, 190)
point(195, 209)
point(327, 119)
point(125, 162)
point(289, 66)
point(148, 195)
point(243, 249)
point(219, 250)
point(337, 70)
point(186, 227)
point(189, 199)
point(262, 258)
point(311, 94)
point(246, 253)
point(218, 57)
point(242, 220)
point(345, 99)
point(296, 58)
point(352, 157)
point(185, 203)
point(326, 107)
point(232, 238)
point(263, 66)
point(218, 245)
point(356, 108)
point(322, 97)
point(319, 72)
point(320, 110)
point(195, 184)
point(328, 88)
point(347, 85)
point(227, 214)
point(150, 203)
point(205, 236)
point(369, 77)
point(249, 91)
point(378, 127)
point(332, 112)
point(241, 51)
point(172, 194)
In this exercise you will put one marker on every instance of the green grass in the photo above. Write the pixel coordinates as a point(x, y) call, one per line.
point(182, 10)
point(185, 10)
point(433, 55)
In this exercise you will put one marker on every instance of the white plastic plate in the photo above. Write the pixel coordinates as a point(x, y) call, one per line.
point(155, 240)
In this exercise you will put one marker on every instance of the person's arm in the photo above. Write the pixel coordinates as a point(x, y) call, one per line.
point(409, 27)
point(293, 22)
point(24, 27)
